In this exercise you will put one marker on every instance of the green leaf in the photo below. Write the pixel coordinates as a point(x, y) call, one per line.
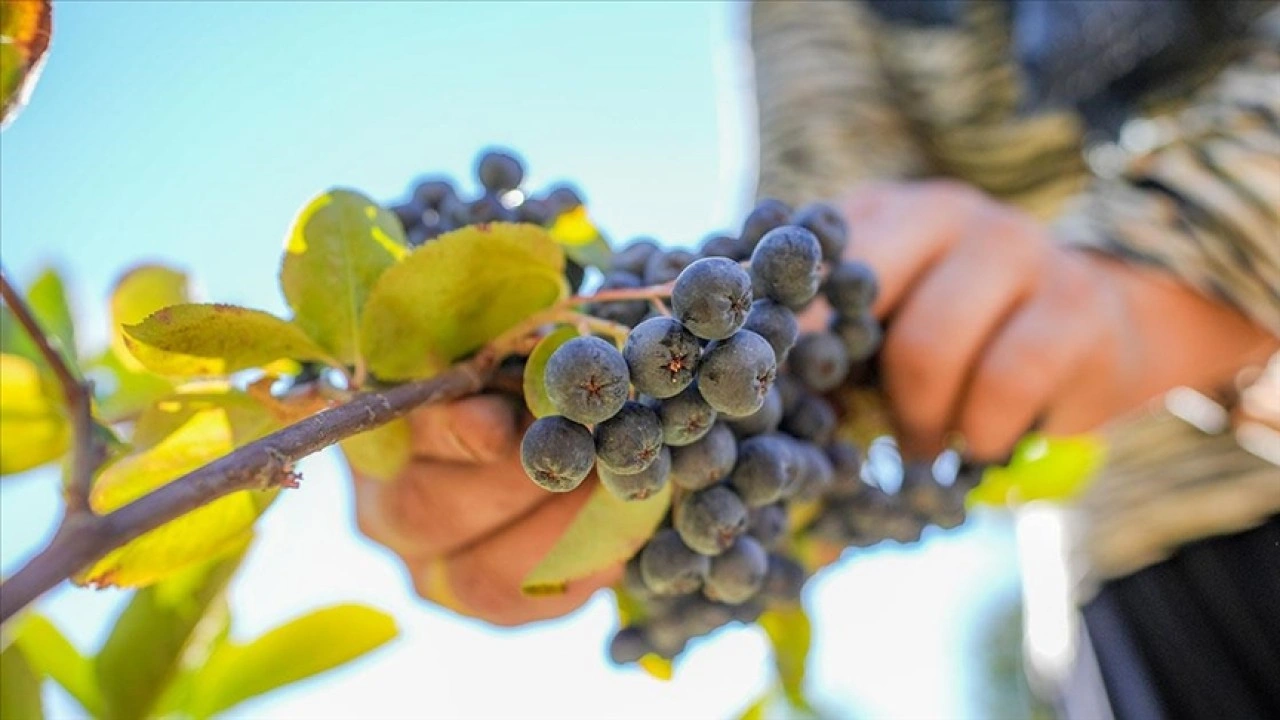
point(25, 29)
point(307, 646)
point(209, 340)
point(51, 654)
point(338, 247)
point(1042, 468)
point(206, 429)
point(581, 239)
point(35, 429)
point(454, 294)
point(124, 389)
point(143, 654)
point(606, 531)
point(19, 687)
point(379, 453)
point(790, 634)
point(535, 386)
point(47, 299)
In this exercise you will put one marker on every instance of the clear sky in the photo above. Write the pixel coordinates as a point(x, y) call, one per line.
point(191, 132)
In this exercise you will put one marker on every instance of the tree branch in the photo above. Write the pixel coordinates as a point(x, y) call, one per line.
point(88, 452)
point(84, 538)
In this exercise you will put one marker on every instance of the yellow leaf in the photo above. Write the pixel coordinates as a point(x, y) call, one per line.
point(207, 532)
point(1042, 468)
point(33, 429)
point(379, 453)
point(203, 340)
point(138, 293)
point(26, 27)
point(630, 609)
point(657, 667)
point(454, 294)
point(245, 417)
point(338, 247)
point(790, 634)
point(757, 709)
point(307, 646)
point(606, 531)
point(535, 388)
point(581, 239)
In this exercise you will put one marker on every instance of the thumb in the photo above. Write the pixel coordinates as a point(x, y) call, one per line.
point(477, 430)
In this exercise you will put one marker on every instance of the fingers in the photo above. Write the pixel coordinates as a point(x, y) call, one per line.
point(1027, 375)
point(900, 230)
point(464, 481)
point(483, 580)
point(435, 508)
point(940, 330)
point(478, 429)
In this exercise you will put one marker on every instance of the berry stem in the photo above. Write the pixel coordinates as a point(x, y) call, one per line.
point(650, 292)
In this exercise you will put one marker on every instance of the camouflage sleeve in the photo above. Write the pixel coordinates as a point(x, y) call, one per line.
point(1204, 202)
point(827, 119)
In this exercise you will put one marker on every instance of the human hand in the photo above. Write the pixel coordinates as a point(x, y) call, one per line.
point(992, 328)
point(466, 520)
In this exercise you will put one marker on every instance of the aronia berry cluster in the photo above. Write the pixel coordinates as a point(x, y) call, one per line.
point(724, 399)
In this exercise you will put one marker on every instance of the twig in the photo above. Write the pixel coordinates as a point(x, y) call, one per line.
point(88, 452)
point(641, 293)
point(85, 538)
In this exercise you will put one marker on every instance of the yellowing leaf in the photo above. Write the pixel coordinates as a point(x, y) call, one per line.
point(606, 531)
point(790, 634)
point(138, 293)
point(757, 709)
point(19, 685)
point(339, 245)
point(245, 417)
point(581, 239)
point(379, 453)
point(34, 430)
point(193, 340)
point(25, 29)
point(1042, 468)
point(207, 532)
point(630, 609)
point(149, 640)
point(299, 649)
point(535, 388)
point(456, 293)
point(50, 653)
point(657, 667)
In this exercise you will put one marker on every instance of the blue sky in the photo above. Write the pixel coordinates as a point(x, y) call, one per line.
point(192, 132)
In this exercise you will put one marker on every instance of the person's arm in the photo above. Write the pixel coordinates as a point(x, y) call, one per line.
point(1205, 204)
point(827, 118)
point(1168, 275)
